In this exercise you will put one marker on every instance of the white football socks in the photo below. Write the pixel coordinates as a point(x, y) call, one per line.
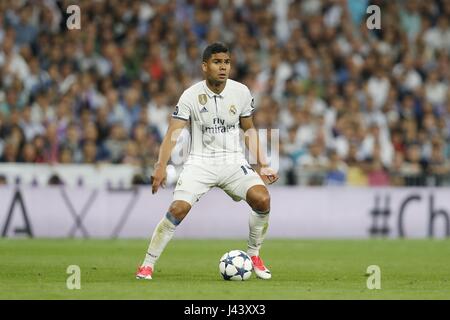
point(258, 223)
point(161, 236)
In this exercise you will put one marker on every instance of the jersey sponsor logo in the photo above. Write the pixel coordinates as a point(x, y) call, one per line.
point(233, 109)
point(202, 98)
point(203, 110)
point(176, 111)
point(219, 126)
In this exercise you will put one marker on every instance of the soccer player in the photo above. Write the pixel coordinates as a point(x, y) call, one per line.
point(215, 109)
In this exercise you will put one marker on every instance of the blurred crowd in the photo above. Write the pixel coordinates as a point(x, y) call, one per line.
point(353, 106)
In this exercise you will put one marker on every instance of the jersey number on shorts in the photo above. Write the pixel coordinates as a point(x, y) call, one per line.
point(244, 168)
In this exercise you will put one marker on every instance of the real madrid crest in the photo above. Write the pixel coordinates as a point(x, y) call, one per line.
point(233, 109)
point(202, 98)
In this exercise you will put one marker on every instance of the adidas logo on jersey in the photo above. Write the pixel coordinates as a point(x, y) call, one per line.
point(203, 110)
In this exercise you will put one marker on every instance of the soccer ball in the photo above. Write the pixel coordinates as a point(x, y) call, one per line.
point(235, 265)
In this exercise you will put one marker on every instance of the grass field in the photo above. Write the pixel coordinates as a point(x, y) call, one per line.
point(188, 269)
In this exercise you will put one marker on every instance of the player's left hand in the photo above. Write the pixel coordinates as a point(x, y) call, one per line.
point(268, 175)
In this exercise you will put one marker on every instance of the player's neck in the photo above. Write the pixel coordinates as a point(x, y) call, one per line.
point(216, 87)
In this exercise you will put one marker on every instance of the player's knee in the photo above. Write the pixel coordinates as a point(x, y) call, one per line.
point(179, 209)
point(261, 203)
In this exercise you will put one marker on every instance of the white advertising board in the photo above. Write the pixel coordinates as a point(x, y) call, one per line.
point(296, 212)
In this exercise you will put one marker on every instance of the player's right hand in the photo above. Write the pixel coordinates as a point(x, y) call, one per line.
point(158, 178)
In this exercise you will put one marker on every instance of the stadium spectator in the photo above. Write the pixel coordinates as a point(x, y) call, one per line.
point(105, 93)
point(313, 164)
point(337, 171)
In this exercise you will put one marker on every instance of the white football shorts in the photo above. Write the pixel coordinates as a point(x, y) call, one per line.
point(197, 179)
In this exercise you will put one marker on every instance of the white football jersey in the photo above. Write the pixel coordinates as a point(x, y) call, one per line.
point(214, 120)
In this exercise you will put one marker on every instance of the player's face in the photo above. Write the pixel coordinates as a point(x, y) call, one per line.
point(217, 68)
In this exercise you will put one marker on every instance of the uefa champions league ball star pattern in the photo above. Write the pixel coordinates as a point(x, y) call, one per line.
point(235, 265)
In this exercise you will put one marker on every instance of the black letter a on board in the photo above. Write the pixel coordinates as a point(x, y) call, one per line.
point(27, 228)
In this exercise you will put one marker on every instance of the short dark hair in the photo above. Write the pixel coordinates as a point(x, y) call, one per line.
point(213, 48)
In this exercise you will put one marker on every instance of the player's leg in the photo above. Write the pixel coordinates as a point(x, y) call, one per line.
point(243, 183)
point(193, 182)
point(259, 200)
point(162, 234)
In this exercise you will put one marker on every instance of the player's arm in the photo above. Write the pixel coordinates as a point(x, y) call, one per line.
point(253, 145)
point(167, 145)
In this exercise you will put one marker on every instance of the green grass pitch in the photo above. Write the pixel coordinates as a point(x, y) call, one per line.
point(188, 269)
